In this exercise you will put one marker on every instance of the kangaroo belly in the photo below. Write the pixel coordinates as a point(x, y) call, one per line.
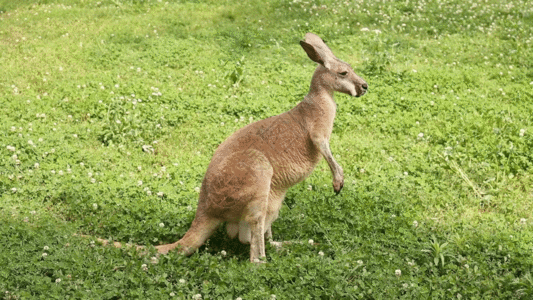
point(293, 165)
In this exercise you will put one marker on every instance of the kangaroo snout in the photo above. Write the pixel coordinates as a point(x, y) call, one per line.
point(360, 87)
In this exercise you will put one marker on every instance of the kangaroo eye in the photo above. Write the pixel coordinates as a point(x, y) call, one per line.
point(343, 73)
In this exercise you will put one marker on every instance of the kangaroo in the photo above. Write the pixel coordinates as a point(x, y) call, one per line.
point(252, 170)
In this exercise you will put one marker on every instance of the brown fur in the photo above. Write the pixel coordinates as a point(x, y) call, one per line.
point(251, 171)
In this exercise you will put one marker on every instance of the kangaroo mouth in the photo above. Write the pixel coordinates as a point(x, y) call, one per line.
point(358, 94)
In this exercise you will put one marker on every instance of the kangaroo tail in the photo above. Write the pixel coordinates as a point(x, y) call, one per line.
point(201, 229)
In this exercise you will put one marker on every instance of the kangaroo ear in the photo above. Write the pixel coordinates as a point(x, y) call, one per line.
point(317, 50)
point(314, 54)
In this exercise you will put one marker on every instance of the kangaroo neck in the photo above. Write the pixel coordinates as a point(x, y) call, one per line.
point(321, 91)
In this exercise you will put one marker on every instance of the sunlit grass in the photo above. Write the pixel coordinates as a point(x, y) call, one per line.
point(111, 111)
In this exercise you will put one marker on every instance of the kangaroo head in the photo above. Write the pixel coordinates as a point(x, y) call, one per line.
point(334, 74)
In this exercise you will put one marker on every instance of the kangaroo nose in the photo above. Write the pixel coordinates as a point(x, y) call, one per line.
point(365, 86)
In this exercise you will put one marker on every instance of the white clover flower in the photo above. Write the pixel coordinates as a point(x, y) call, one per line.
point(172, 293)
point(466, 266)
point(310, 187)
point(118, 122)
point(405, 173)
point(44, 254)
point(93, 180)
point(154, 260)
point(420, 135)
point(415, 224)
point(30, 142)
point(320, 253)
point(149, 193)
point(139, 168)
point(197, 189)
point(58, 280)
point(391, 158)
point(359, 262)
point(398, 272)
point(223, 253)
point(95, 206)
point(82, 164)
point(11, 148)
point(364, 29)
point(182, 281)
point(46, 248)
point(523, 221)
point(160, 194)
point(140, 182)
point(161, 224)
point(75, 136)
point(14, 190)
point(311, 242)
point(197, 297)
point(361, 170)
point(522, 132)
point(238, 298)
point(144, 267)
point(272, 297)
point(33, 212)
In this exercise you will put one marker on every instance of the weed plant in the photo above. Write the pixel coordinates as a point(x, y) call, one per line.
point(111, 111)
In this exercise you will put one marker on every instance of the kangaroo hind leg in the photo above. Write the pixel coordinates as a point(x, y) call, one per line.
point(255, 213)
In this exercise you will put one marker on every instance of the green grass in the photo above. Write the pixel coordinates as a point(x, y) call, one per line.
point(437, 156)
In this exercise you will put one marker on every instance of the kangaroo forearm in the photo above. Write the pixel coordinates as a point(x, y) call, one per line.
point(335, 168)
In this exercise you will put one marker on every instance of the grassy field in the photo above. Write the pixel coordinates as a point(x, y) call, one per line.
point(437, 156)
